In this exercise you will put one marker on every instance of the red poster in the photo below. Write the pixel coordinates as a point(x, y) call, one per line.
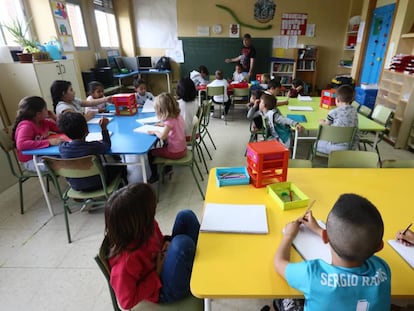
point(293, 24)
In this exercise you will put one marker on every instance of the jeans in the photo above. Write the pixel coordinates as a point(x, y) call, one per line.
point(178, 264)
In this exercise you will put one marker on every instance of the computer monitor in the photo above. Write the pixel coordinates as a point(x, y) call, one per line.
point(131, 63)
point(144, 62)
point(120, 64)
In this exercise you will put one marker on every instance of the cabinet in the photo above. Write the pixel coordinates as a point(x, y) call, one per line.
point(396, 91)
point(19, 80)
point(283, 69)
point(306, 67)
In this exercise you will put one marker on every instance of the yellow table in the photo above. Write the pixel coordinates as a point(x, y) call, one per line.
point(241, 265)
point(313, 117)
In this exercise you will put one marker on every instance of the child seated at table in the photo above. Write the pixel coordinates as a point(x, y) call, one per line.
point(355, 279)
point(344, 115)
point(74, 125)
point(173, 132)
point(144, 263)
point(63, 97)
point(32, 129)
point(141, 93)
point(201, 76)
point(238, 74)
point(296, 89)
point(254, 102)
point(96, 90)
point(277, 125)
point(186, 94)
point(273, 89)
point(221, 99)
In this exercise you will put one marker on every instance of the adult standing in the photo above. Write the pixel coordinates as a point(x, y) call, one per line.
point(247, 56)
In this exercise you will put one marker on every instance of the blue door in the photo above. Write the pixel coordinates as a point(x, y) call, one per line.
point(378, 38)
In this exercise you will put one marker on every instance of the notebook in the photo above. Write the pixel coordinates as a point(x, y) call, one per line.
point(300, 108)
point(94, 136)
point(406, 252)
point(232, 218)
point(148, 106)
point(145, 128)
point(297, 117)
point(311, 246)
point(304, 98)
point(96, 120)
point(149, 120)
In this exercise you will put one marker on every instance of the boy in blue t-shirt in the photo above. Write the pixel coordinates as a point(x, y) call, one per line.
point(356, 279)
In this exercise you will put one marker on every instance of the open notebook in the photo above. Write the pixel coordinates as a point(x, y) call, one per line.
point(300, 108)
point(234, 218)
point(96, 120)
point(92, 136)
point(147, 127)
point(406, 252)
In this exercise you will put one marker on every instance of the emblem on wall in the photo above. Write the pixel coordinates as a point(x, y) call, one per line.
point(264, 10)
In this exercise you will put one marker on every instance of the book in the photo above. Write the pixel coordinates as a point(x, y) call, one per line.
point(145, 128)
point(297, 117)
point(93, 136)
point(311, 246)
point(300, 108)
point(406, 252)
point(232, 218)
point(304, 98)
point(148, 120)
point(148, 106)
point(96, 120)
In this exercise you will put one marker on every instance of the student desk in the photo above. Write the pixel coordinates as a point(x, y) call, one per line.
point(313, 117)
point(123, 141)
point(241, 265)
point(167, 73)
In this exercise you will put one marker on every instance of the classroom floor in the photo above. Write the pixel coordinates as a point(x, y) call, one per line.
point(39, 270)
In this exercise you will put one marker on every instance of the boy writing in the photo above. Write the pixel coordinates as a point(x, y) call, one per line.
point(355, 279)
point(274, 87)
point(344, 115)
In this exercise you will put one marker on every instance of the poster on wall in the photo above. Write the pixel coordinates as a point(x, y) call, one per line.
point(234, 31)
point(60, 16)
point(293, 24)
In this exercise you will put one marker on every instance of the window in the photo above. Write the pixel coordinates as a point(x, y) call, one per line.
point(10, 10)
point(76, 24)
point(105, 20)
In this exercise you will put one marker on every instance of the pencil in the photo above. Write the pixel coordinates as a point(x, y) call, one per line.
point(406, 229)
point(309, 207)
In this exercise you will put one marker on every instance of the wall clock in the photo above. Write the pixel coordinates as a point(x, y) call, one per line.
point(217, 29)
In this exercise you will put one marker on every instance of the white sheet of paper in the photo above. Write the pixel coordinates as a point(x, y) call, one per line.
point(93, 136)
point(148, 106)
point(310, 245)
point(406, 252)
point(234, 218)
point(96, 120)
point(300, 108)
point(304, 98)
point(145, 128)
point(148, 120)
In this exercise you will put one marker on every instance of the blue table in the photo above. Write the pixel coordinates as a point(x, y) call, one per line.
point(121, 76)
point(124, 142)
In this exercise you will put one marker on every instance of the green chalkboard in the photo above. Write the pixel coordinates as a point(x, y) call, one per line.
point(212, 52)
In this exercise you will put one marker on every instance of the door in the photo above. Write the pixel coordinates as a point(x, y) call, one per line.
point(378, 38)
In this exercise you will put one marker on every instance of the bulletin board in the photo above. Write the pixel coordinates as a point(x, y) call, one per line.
point(212, 52)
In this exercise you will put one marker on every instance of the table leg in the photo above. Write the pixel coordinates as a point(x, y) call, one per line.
point(168, 82)
point(295, 143)
point(42, 185)
point(144, 171)
point(374, 145)
point(207, 304)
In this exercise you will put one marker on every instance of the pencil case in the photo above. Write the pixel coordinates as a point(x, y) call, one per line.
point(232, 176)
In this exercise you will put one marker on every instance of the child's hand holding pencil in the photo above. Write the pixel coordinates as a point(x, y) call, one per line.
point(309, 221)
point(406, 236)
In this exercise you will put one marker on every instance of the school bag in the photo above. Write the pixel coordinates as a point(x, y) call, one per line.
point(163, 63)
point(282, 130)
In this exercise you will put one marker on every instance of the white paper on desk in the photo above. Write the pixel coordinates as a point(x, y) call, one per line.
point(300, 108)
point(94, 136)
point(148, 106)
point(104, 114)
point(149, 120)
point(304, 98)
point(310, 245)
point(96, 120)
point(406, 252)
point(234, 218)
point(145, 128)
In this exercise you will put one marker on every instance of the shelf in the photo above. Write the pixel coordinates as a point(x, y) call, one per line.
point(283, 72)
point(408, 35)
point(347, 67)
point(310, 70)
point(349, 49)
point(352, 32)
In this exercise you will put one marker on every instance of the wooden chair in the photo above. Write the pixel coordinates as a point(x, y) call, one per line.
point(381, 115)
point(7, 145)
point(189, 303)
point(80, 168)
point(188, 160)
point(216, 91)
point(334, 134)
point(239, 95)
point(353, 158)
point(205, 121)
point(397, 164)
point(299, 163)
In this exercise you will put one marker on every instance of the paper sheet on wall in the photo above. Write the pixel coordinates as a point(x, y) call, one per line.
point(176, 53)
point(310, 30)
point(293, 42)
point(280, 42)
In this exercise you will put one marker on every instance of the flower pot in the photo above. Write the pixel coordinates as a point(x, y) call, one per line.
point(41, 57)
point(25, 57)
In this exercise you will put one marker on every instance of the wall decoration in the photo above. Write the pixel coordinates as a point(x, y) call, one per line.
point(234, 31)
point(203, 31)
point(62, 24)
point(238, 21)
point(217, 29)
point(293, 24)
point(264, 10)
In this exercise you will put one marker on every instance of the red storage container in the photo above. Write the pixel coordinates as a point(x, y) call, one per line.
point(125, 104)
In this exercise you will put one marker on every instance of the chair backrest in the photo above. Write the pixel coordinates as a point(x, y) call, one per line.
point(397, 164)
point(238, 92)
point(205, 117)
point(381, 114)
point(215, 90)
point(7, 145)
point(355, 105)
point(195, 129)
point(364, 110)
point(299, 163)
point(353, 158)
point(336, 134)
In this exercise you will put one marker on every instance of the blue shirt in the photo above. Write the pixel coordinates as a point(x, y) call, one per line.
point(327, 287)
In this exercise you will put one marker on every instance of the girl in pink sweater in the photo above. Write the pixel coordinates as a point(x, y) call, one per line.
point(32, 128)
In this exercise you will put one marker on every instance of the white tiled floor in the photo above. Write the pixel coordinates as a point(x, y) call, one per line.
point(39, 270)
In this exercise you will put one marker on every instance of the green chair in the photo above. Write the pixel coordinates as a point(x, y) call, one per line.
point(80, 168)
point(188, 160)
point(198, 140)
point(216, 91)
point(364, 110)
point(205, 121)
point(189, 303)
point(353, 159)
point(334, 134)
point(299, 163)
point(381, 115)
point(355, 105)
point(7, 145)
point(397, 164)
point(239, 95)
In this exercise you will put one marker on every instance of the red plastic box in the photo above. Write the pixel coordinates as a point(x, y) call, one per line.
point(328, 99)
point(125, 104)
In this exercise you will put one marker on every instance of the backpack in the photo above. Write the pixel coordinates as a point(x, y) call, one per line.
point(282, 130)
point(163, 63)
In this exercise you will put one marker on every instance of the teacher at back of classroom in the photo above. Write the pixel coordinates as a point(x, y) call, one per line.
point(247, 56)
